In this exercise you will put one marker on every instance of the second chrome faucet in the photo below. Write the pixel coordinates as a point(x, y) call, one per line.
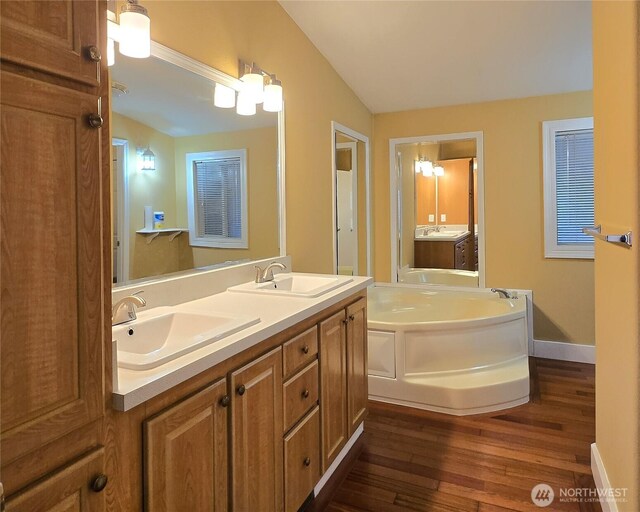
point(266, 275)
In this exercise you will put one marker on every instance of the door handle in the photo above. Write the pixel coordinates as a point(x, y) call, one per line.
point(596, 232)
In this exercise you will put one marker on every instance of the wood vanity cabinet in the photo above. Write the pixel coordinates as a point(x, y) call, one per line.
point(343, 377)
point(54, 273)
point(443, 254)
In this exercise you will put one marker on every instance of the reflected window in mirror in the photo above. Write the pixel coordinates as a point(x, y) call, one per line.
point(166, 103)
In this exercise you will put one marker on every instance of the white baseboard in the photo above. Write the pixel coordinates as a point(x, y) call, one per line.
point(564, 351)
point(601, 479)
point(334, 465)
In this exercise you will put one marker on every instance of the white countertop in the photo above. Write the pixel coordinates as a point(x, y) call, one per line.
point(277, 313)
point(442, 237)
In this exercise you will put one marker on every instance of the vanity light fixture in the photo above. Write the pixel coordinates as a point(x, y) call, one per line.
point(133, 33)
point(438, 170)
point(424, 166)
point(224, 97)
point(146, 159)
point(272, 95)
point(258, 86)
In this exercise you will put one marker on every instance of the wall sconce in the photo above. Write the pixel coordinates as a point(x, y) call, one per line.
point(258, 86)
point(133, 33)
point(146, 159)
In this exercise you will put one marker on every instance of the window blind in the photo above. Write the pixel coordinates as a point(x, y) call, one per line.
point(218, 197)
point(574, 185)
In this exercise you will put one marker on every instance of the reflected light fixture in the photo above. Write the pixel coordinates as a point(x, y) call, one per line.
point(146, 159)
point(438, 170)
point(133, 34)
point(424, 166)
point(246, 106)
point(224, 97)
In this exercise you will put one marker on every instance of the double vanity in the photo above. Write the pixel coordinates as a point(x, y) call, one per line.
point(248, 397)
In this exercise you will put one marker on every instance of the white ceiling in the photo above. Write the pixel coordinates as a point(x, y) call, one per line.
point(402, 55)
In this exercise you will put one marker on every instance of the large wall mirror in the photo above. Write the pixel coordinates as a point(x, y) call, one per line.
point(437, 200)
point(194, 186)
point(351, 186)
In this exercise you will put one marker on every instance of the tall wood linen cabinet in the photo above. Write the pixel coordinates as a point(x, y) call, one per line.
point(55, 292)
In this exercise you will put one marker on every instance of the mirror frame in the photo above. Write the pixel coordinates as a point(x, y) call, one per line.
point(187, 63)
point(395, 208)
point(335, 128)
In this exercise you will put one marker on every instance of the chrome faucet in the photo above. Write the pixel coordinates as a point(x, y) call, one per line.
point(431, 229)
point(263, 276)
point(504, 294)
point(125, 309)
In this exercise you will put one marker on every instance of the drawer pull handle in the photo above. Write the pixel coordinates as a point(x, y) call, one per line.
point(305, 393)
point(99, 483)
point(307, 462)
point(241, 389)
point(95, 120)
point(305, 349)
point(225, 401)
point(352, 317)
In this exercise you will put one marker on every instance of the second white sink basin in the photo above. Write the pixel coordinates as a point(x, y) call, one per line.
point(155, 339)
point(293, 284)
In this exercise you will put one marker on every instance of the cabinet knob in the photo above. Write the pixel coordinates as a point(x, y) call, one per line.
point(305, 393)
point(345, 322)
point(305, 349)
point(307, 462)
point(95, 120)
point(225, 401)
point(93, 52)
point(99, 483)
point(241, 389)
point(352, 317)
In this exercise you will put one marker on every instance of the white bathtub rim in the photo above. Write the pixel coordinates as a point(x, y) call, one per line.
point(479, 368)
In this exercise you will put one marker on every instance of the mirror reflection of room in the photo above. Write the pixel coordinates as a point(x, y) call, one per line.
point(194, 185)
point(439, 234)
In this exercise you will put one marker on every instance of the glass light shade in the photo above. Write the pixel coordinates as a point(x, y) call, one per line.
point(147, 160)
point(135, 33)
point(272, 98)
point(418, 166)
point(246, 106)
point(111, 52)
point(254, 86)
point(427, 172)
point(224, 97)
point(438, 170)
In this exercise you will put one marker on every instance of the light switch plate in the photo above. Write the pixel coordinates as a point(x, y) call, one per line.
point(443, 217)
point(432, 217)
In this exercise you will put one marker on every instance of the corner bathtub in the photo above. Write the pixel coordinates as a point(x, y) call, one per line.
point(457, 352)
point(449, 277)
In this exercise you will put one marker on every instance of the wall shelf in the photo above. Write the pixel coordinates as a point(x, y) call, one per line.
point(152, 234)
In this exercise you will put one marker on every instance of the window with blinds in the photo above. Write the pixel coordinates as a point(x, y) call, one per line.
point(569, 193)
point(217, 199)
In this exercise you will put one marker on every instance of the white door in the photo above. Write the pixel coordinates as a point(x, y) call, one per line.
point(347, 212)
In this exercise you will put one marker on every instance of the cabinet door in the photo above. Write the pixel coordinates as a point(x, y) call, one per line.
point(256, 434)
point(333, 387)
point(52, 36)
point(51, 287)
point(75, 488)
point(357, 363)
point(186, 454)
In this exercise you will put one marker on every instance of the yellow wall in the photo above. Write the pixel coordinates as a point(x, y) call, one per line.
point(615, 57)
point(563, 289)
point(218, 34)
point(262, 161)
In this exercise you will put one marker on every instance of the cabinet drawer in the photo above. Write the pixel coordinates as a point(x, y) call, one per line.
point(302, 461)
point(300, 394)
point(300, 350)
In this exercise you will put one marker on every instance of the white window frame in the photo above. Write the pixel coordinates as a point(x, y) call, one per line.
point(551, 247)
point(219, 242)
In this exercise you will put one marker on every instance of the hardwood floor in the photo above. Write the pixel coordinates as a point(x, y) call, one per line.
point(418, 460)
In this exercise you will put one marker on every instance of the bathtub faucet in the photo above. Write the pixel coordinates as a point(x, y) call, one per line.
point(504, 294)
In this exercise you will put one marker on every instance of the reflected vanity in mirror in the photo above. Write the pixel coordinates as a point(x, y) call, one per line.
point(351, 202)
point(194, 186)
point(438, 215)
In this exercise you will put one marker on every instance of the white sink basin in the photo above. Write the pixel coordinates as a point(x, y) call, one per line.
point(153, 340)
point(451, 235)
point(296, 285)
